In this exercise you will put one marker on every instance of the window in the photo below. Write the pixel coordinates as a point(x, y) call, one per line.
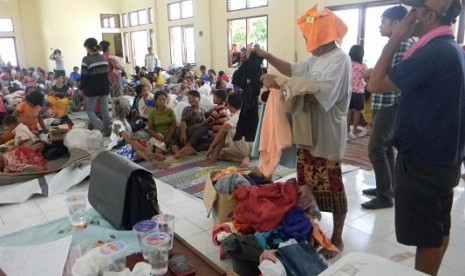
point(182, 44)
point(180, 10)
point(6, 25)
point(109, 20)
point(139, 44)
point(245, 33)
point(137, 18)
point(363, 22)
point(8, 53)
point(234, 5)
point(150, 12)
point(124, 19)
point(126, 46)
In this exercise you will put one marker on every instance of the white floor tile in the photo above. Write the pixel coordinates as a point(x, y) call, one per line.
point(189, 208)
point(372, 225)
point(14, 212)
point(388, 251)
point(202, 221)
point(446, 271)
point(454, 258)
point(47, 204)
point(203, 242)
point(186, 229)
point(22, 223)
point(173, 197)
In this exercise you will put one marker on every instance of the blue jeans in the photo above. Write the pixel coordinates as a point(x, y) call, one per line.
point(95, 122)
point(301, 259)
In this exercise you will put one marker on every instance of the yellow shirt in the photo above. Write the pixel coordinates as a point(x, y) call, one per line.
point(59, 106)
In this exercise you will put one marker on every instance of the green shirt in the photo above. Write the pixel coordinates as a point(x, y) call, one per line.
point(160, 121)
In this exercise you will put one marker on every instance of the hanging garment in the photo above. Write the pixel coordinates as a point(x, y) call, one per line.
point(247, 77)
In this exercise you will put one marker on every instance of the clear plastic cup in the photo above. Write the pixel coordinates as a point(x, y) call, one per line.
point(166, 225)
point(115, 251)
point(157, 246)
point(142, 229)
point(77, 209)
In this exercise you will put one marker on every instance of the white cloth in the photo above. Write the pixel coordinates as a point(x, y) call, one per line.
point(144, 110)
point(24, 136)
point(116, 129)
point(269, 268)
point(333, 73)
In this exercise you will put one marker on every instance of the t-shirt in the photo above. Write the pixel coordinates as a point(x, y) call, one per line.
point(431, 115)
point(193, 116)
point(151, 61)
point(239, 148)
point(358, 84)
point(333, 73)
point(29, 114)
point(23, 136)
point(161, 120)
point(61, 92)
point(116, 129)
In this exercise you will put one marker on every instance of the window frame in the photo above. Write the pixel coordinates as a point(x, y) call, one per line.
point(137, 12)
point(107, 16)
point(180, 10)
point(12, 24)
point(183, 44)
point(229, 34)
point(246, 6)
point(124, 20)
point(15, 46)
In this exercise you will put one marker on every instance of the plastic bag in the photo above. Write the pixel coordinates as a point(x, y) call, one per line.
point(90, 140)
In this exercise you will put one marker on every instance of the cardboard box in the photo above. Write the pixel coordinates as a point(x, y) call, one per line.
point(222, 205)
point(58, 134)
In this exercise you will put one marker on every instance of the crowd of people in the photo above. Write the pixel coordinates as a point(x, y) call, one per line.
point(417, 106)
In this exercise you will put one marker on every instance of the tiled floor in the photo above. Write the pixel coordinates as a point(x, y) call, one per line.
point(367, 231)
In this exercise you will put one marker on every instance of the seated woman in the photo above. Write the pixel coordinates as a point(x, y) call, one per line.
point(223, 146)
point(161, 123)
point(194, 127)
point(58, 99)
point(24, 158)
point(121, 134)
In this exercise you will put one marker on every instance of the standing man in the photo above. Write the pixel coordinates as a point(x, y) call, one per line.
point(430, 129)
point(380, 148)
point(151, 61)
point(321, 86)
point(59, 63)
point(95, 85)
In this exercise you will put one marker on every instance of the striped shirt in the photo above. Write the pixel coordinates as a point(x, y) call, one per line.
point(388, 99)
point(94, 80)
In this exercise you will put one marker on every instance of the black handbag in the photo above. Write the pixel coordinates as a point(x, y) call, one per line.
point(123, 192)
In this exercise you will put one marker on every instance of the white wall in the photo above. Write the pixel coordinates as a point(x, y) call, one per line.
point(65, 24)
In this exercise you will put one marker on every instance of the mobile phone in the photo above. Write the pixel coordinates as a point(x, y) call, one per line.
point(180, 265)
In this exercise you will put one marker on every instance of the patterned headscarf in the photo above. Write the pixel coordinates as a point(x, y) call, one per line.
point(321, 27)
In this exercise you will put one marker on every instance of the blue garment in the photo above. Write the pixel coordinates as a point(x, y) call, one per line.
point(301, 259)
point(74, 76)
point(268, 240)
point(295, 225)
point(431, 117)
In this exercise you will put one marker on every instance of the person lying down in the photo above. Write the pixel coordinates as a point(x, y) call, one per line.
point(24, 158)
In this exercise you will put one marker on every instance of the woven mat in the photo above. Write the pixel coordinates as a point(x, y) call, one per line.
point(356, 153)
point(189, 176)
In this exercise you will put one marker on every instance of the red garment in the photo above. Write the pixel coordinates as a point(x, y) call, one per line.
point(264, 207)
point(23, 158)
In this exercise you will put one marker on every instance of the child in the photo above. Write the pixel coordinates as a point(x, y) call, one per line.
point(30, 158)
point(358, 88)
point(203, 73)
point(22, 135)
point(223, 146)
point(219, 113)
point(29, 111)
point(74, 76)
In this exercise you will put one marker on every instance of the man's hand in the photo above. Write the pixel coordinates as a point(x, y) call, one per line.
point(269, 81)
point(405, 28)
point(261, 53)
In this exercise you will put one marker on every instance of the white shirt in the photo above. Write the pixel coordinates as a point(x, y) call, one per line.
point(22, 133)
point(332, 71)
point(151, 61)
point(116, 129)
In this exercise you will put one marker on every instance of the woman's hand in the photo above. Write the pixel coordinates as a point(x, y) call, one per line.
point(268, 255)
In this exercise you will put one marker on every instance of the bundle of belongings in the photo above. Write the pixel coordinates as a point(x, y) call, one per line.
point(269, 216)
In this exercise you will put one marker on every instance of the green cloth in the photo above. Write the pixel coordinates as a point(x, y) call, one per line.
point(161, 121)
point(98, 230)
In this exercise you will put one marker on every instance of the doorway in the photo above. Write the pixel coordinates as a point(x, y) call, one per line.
point(116, 43)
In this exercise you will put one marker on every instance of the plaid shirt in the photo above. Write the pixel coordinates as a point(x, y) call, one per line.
point(392, 98)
